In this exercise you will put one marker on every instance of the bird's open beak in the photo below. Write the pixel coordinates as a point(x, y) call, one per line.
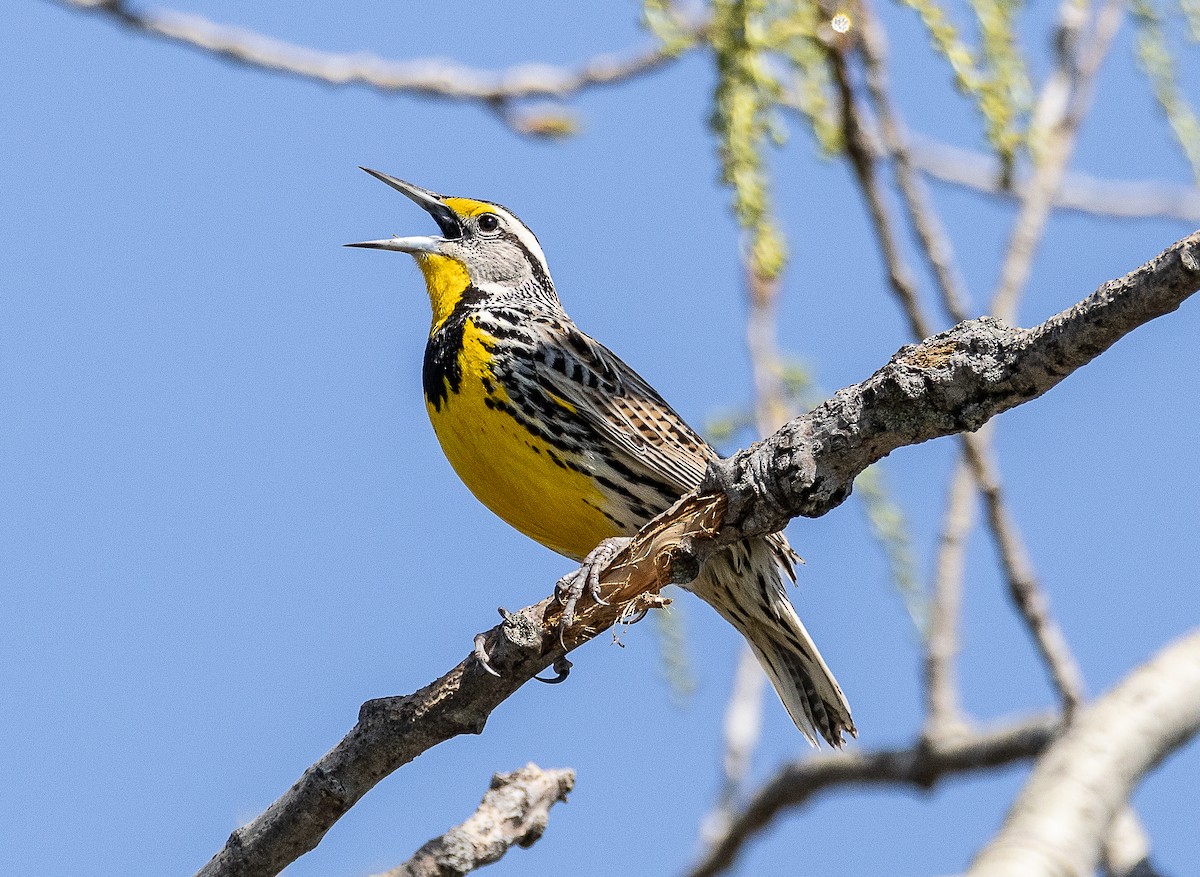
point(446, 219)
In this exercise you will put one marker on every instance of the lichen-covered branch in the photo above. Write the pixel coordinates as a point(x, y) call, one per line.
point(514, 812)
point(952, 382)
point(1058, 824)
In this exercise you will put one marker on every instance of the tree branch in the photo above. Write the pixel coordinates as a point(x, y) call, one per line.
point(943, 708)
point(1057, 825)
point(441, 79)
point(424, 78)
point(1023, 586)
point(951, 382)
point(1060, 111)
point(918, 764)
point(514, 812)
point(1056, 102)
point(1132, 199)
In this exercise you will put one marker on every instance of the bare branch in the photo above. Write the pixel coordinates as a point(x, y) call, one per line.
point(1127, 847)
point(1022, 582)
point(1055, 125)
point(918, 765)
point(943, 709)
point(951, 382)
point(424, 78)
point(1024, 588)
point(935, 243)
point(1058, 823)
point(514, 812)
point(1062, 105)
point(1061, 108)
point(741, 733)
point(1134, 199)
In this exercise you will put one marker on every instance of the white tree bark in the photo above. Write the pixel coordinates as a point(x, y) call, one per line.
point(1059, 822)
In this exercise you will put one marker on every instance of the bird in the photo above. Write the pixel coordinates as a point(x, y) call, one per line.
point(561, 439)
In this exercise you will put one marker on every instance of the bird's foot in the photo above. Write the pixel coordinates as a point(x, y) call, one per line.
point(587, 578)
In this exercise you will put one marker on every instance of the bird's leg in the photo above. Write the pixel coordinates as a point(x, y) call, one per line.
point(571, 586)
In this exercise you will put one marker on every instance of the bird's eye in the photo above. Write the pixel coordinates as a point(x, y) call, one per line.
point(489, 222)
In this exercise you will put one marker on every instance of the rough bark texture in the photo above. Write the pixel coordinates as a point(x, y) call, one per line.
point(514, 812)
point(1059, 822)
point(950, 383)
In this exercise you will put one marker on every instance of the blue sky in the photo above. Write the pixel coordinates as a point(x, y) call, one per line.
point(226, 521)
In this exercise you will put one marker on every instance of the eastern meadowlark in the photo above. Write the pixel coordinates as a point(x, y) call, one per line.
point(569, 445)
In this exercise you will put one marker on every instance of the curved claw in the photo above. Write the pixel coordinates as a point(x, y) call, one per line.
point(593, 575)
point(642, 613)
point(481, 654)
point(561, 668)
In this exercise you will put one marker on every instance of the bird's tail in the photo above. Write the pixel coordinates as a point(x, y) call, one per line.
point(743, 584)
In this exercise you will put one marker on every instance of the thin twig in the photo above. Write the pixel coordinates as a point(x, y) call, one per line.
point(935, 243)
point(1060, 116)
point(514, 812)
point(442, 79)
point(1057, 118)
point(1026, 592)
point(1061, 107)
point(918, 765)
point(741, 731)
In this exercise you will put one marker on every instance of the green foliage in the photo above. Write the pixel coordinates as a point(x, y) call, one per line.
point(1156, 59)
point(768, 53)
point(996, 76)
point(661, 19)
point(746, 95)
point(1005, 94)
point(673, 650)
point(794, 36)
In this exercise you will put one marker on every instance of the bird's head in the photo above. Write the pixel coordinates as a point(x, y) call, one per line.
point(482, 246)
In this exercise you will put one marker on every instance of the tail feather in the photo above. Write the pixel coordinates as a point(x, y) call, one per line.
point(743, 584)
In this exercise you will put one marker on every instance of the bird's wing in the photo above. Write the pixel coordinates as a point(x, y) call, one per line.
point(621, 407)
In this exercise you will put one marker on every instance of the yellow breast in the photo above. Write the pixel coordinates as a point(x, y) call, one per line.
point(510, 470)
